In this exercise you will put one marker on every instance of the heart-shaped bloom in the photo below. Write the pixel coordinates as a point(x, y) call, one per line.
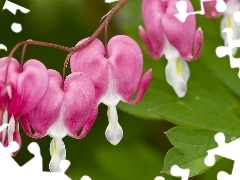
point(21, 89)
point(65, 109)
point(116, 72)
point(165, 34)
point(228, 21)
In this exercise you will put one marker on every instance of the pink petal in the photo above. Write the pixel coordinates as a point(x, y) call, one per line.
point(47, 111)
point(210, 9)
point(182, 35)
point(79, 101)
point(13, 66)
point(87, 126)
point(4, 98)
point(11, 79)
point(143, 85)
point(92, 62)
point(126, 63)
point(153, 36)
point(198, 41)
point(31, 86)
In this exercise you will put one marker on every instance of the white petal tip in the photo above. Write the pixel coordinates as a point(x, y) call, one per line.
point(9, 91)
point(114, 134)
point(177, 74)
point(54, 167)
point(58, 154)
point(181, 90)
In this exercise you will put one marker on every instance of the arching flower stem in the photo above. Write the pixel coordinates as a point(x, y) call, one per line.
point(71, 50)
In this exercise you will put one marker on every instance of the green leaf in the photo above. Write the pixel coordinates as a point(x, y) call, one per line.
point(191, 146)
point(211, 104)
point(160, 92)
point(219, 66)
point(208, 105)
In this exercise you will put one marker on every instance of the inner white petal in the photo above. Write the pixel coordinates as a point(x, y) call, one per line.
point(177, 71)
point(58, 153)
point(177, 74)
point(171, 53)
point(57, 130)
point(11, 129)
point(110, 98)
point(114, 132)
point(9, 91)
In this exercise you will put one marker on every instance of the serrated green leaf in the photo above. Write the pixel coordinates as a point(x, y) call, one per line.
point(208, 105)
point(211, 104)
point(191, 146)
point(190, 138)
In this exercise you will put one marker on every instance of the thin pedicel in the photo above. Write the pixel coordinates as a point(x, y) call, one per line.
point(71, 50)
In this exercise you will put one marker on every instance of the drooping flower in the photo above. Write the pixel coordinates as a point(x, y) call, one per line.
point(166, 34)
point(116, 72)
point(21, 89)
point(227, 21)
point(64, 110)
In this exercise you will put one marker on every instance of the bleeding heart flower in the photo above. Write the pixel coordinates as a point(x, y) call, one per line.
point(21, 89)
point(165, 34)
point(116, 72)
point(65, 109)
point(228, 21)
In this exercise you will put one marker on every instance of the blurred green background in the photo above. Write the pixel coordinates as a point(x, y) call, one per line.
point(141, 152)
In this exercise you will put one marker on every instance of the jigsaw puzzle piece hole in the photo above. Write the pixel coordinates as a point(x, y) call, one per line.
point(221, 51)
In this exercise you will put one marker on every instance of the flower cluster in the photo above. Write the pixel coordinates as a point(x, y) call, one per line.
point(47, 104)
point(22, 87)
point(165, 34)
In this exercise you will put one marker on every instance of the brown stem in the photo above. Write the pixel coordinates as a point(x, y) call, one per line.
point(71, 50)
point(39, 43)
point(103, 25)
point(106, 41)
point(109, 16)
point(65, 65)
point(32, 42)
point(23, 54)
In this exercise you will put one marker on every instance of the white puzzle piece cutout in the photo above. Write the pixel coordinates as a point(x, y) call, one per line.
point(176, 171)
point(182, 9)
point(10, 169)
point(227, 150)
point(222, 51)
